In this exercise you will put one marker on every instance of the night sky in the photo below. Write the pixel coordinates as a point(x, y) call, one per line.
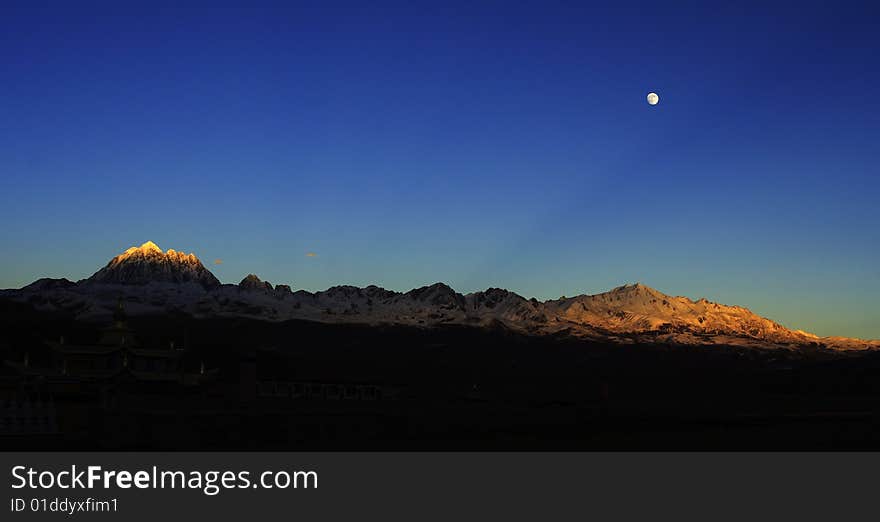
point(500, 144)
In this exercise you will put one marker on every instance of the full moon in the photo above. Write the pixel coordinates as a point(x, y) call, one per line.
point(653, 99)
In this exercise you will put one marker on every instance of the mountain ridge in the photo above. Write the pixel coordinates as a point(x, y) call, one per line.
point(153, 282)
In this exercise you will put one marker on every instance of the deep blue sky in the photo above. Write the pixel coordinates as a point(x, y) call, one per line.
point(482, 144)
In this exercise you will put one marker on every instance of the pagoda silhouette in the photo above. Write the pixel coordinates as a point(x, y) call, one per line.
point(116, 356)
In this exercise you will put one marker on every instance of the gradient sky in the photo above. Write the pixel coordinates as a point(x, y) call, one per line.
point(481, 144)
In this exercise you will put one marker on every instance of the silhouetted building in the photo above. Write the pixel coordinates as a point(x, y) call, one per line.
point(116, 355)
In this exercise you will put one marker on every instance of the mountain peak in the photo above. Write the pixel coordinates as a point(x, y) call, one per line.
point(632, 286)
point(149, 245)
point(633, 290)
point(148, 263)
point(147, 248)
point(250, 279)
point(438, 294)
point(252, 282)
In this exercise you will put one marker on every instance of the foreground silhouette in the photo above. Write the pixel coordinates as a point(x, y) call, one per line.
point(176, 382)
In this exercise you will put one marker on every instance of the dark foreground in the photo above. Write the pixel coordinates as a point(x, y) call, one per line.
point(252, 385)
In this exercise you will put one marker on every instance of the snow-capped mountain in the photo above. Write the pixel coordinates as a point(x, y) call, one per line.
point(147, 263)
point(638, 308)
point(151, 281)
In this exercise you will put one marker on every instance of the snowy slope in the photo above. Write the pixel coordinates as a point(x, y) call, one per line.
point(151, 281)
